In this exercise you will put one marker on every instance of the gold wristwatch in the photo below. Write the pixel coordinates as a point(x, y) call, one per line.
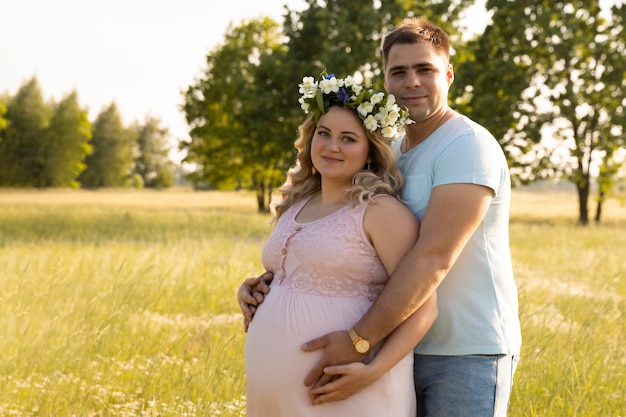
point(360, 345)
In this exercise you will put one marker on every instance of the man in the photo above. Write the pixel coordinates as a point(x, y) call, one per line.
point(458, 186)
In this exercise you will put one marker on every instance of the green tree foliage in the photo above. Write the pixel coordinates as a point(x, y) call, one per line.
point(490, 77)
point(3, 121)
point(111, 161)
point(271, 130)
point(237, 136)
point(344, 36)
point(48, 145)
point(22, 157)
point(66, 144)
point(152, 162)
point(551, 68)
point(341, 36)
point(43, 145)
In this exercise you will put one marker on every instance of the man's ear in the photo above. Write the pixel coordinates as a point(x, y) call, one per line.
point(450, 75)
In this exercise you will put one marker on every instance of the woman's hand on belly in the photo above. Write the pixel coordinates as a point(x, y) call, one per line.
point(347, 380)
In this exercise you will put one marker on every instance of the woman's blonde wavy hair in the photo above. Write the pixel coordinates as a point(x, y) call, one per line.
point(382, 177)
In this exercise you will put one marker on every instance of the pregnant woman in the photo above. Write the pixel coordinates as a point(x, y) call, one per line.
point(339, 233)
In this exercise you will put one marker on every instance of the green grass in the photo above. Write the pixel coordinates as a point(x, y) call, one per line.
point(123, 309)
point(118, 303)
point(572, 301)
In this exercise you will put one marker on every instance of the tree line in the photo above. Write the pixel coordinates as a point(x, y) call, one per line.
point(53, 144)
point(546, 78)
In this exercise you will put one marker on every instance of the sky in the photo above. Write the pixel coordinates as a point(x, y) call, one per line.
point(139, 54)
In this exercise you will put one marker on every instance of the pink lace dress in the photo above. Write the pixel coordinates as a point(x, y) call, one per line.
point(326, 276)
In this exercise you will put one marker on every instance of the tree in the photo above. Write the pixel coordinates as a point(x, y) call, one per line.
point(490, 79)
point(110, 162)
point(152, 162)
point(236, 127)
point(608, 177)
point(550, 74)
point(66, 144)
point(22, 158)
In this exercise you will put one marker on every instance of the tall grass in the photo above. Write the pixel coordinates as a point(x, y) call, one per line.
point(116, 304)
point(572, 283)
point(122, 303)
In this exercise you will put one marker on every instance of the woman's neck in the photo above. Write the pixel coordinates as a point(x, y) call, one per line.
point(331, 195)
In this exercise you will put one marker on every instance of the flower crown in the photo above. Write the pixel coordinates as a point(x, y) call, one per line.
point(377, 109)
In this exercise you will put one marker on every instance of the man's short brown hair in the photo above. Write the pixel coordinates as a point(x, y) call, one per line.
point(414, 30)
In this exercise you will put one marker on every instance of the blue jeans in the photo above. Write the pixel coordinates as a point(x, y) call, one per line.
point(458, 386)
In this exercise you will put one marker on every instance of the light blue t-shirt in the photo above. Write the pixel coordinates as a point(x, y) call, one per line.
point(478, 304)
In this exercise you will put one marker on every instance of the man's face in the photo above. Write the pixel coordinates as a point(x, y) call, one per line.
point(420, 78)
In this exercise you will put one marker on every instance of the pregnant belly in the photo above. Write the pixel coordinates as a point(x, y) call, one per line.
point(283, 323)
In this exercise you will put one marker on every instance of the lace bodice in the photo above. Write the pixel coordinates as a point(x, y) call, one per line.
point(330, 256)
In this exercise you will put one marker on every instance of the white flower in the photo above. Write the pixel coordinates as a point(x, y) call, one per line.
point(365, 108)
point(305, 106)
point(391, 117)
point(329, 85)
point(370, 123)
point(382, 114)
point(377, 98)
point(389, 132)
point(308, 86)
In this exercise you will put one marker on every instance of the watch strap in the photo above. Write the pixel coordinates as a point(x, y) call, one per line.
point(354, 336)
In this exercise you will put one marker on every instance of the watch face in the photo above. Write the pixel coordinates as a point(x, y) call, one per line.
point(362, 346)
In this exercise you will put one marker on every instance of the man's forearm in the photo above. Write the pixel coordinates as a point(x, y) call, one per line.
point(406, 290)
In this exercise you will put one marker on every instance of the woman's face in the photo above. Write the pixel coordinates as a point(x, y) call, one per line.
point(340, 146)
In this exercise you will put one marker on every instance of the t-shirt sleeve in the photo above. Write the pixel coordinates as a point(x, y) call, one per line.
point(471, 158)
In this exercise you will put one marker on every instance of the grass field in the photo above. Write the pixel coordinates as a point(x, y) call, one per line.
point(122, 303)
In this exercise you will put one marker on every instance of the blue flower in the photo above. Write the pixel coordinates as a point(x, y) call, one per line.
point(343, 95)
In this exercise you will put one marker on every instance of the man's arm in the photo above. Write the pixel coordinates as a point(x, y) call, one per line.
point(353, 377)
point(454, 212)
